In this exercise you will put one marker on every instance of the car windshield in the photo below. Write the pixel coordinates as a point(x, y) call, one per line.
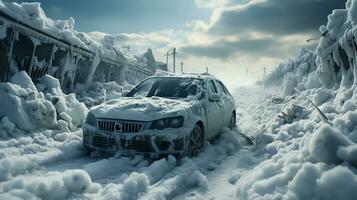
point(168, 87)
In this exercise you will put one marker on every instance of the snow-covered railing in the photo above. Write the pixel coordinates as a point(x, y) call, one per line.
point(24, 47)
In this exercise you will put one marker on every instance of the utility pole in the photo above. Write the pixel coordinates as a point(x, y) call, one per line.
point(167, 59)
point(246, 71)
point(174, 59)
point(206, 70)
point(181, 67)
point(264, 77)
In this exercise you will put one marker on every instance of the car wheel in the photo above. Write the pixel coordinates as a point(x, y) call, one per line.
point(194, 142)
point(233, 122)
point(87, 150)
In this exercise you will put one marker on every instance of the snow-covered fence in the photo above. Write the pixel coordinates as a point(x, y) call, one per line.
point(23, 47)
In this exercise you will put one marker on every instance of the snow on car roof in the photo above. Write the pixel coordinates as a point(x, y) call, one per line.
point(160, 73)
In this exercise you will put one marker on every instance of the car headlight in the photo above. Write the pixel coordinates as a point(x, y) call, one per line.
point(170, 122)
point(91, 119)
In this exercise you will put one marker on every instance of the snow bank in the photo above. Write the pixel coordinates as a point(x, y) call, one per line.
point(301, 66)
point(98, 92)
point(305, 157)
point(333, 60)
point(325, 143)
point(44, 106)
point(59, 186)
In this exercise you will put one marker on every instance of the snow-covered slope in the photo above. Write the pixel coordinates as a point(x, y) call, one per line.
point(308, 157)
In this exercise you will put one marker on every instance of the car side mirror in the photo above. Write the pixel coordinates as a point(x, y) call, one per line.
point(123, 94)
point(214, 97)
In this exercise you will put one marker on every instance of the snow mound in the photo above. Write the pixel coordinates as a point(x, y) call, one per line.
point(98, 92)
point(44, 106)
point(305, 157)
point(325, 143)
point(60, 186)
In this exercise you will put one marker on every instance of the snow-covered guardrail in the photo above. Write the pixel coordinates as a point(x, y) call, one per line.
point(23, 47)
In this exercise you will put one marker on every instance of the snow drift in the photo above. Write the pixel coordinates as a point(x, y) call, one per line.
point(29, 107)
point(309, 158)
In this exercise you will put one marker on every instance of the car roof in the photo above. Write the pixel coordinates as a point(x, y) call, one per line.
point(184, 75)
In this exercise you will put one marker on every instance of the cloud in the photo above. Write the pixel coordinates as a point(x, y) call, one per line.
point(240, 34)
point(211, 4)
point(255, 28)
point(279, 17)
point(264, 28)
point(225, 49)
point(268, 47)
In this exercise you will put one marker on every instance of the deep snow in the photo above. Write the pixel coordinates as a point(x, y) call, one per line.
point(297, 154)
point(297, 158)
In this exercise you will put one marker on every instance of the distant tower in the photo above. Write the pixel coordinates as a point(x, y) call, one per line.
point(167, 59)
point(174, 52)
point(181, 67)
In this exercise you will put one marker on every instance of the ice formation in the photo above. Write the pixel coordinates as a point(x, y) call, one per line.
point(308, 157)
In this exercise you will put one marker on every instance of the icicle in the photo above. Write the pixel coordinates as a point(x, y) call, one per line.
point(3, 29)
point(95, 63)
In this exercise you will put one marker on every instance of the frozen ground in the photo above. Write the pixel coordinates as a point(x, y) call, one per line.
point(50, 163)
point(296, 156)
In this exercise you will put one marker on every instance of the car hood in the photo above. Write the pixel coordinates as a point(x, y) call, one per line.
point(142, 108)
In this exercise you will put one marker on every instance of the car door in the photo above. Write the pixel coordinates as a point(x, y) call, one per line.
point(214, 112)
point(227, 103)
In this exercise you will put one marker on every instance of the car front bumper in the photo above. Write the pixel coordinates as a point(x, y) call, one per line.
point(150, 143)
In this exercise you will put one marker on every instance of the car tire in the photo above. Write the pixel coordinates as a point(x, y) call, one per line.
point(194, 143)
point(233, 122)
point(87, 150)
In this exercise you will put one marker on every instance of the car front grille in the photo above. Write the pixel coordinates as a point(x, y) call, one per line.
point(103, 142)
point(120, 126)
point(137, 145)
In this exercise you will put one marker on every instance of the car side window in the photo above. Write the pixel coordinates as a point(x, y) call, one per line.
point(221, 88)
point(211, 87)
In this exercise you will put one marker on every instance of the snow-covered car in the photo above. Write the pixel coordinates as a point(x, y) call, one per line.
point(162, 115)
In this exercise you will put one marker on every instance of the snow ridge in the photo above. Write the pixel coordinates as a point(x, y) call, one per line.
point(308, 158)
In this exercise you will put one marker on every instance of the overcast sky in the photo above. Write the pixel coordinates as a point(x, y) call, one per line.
point(228, 36)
